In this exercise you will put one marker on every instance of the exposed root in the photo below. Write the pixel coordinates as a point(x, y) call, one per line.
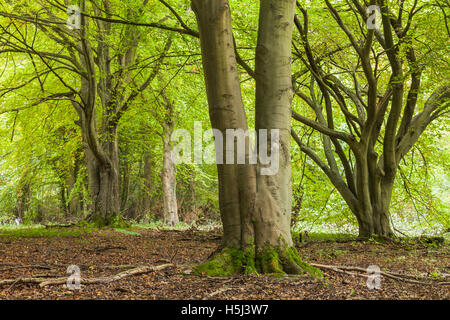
point(276, 261)
point(284, 260)
point(392, 275)
point(42, 282)
point(227, 262)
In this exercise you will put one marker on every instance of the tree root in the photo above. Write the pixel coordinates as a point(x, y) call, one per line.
point(42, 282)
point(227, 262)
point(392, 275)
point(284, 260)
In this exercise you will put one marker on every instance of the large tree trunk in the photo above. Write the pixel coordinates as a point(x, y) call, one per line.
point(373, 193)
point(236, 182)
point(274, 96)
point(108, 200)
point(273, 112)
point(253, 239)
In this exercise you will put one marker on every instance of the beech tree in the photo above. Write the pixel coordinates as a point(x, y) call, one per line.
point(255, 208)
point(164, 111)
point(374, 82)
point(104, 71)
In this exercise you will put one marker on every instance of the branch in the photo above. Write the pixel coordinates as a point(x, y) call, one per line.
point(323, 129)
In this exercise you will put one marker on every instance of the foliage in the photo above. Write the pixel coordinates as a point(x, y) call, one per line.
point(41, 145)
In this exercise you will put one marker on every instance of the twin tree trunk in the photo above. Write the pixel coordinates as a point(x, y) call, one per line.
point(104, 183)
point(255, 209)
point(374, 193)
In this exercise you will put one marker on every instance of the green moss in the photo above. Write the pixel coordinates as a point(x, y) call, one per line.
point(42, 232)
point(268, 261)
point(292, 254)
point(115, 221)
point(283, 259)
point(248, 260)
point(276, 261)
point(228, 262)
point(128, 232)
point(98, 221)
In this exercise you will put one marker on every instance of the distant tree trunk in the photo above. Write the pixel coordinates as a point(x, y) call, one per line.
point(147, 185)
point(112, 87)
point(75, 201)
point(169, 182)
point(63, 191)
point(101, 149)
point(103, 175)
point(107, 197)
point(125, 185)
point(193, 193)
point(168, 173)
point(24, 199)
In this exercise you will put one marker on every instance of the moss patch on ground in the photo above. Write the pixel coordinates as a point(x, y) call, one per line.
point(41, 231)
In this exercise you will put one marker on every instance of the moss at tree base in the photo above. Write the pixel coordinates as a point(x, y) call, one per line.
point(271, 260)
point(284, 260)
point(228, 262)
point(115, 221)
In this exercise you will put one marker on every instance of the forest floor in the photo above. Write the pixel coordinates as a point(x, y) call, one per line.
point(103, 253)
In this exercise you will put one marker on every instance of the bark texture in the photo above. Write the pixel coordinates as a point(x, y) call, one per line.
point(273, 111)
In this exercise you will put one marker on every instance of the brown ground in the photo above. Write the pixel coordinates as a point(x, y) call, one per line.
point(99, 253)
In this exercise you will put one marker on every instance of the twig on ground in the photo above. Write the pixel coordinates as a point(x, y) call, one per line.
point(42, 282)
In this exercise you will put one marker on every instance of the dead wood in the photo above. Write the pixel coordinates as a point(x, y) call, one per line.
point(42, 282)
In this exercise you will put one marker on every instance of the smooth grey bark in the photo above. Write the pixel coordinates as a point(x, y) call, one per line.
point(274, 96)
point(237, 184)
point(168, 121)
